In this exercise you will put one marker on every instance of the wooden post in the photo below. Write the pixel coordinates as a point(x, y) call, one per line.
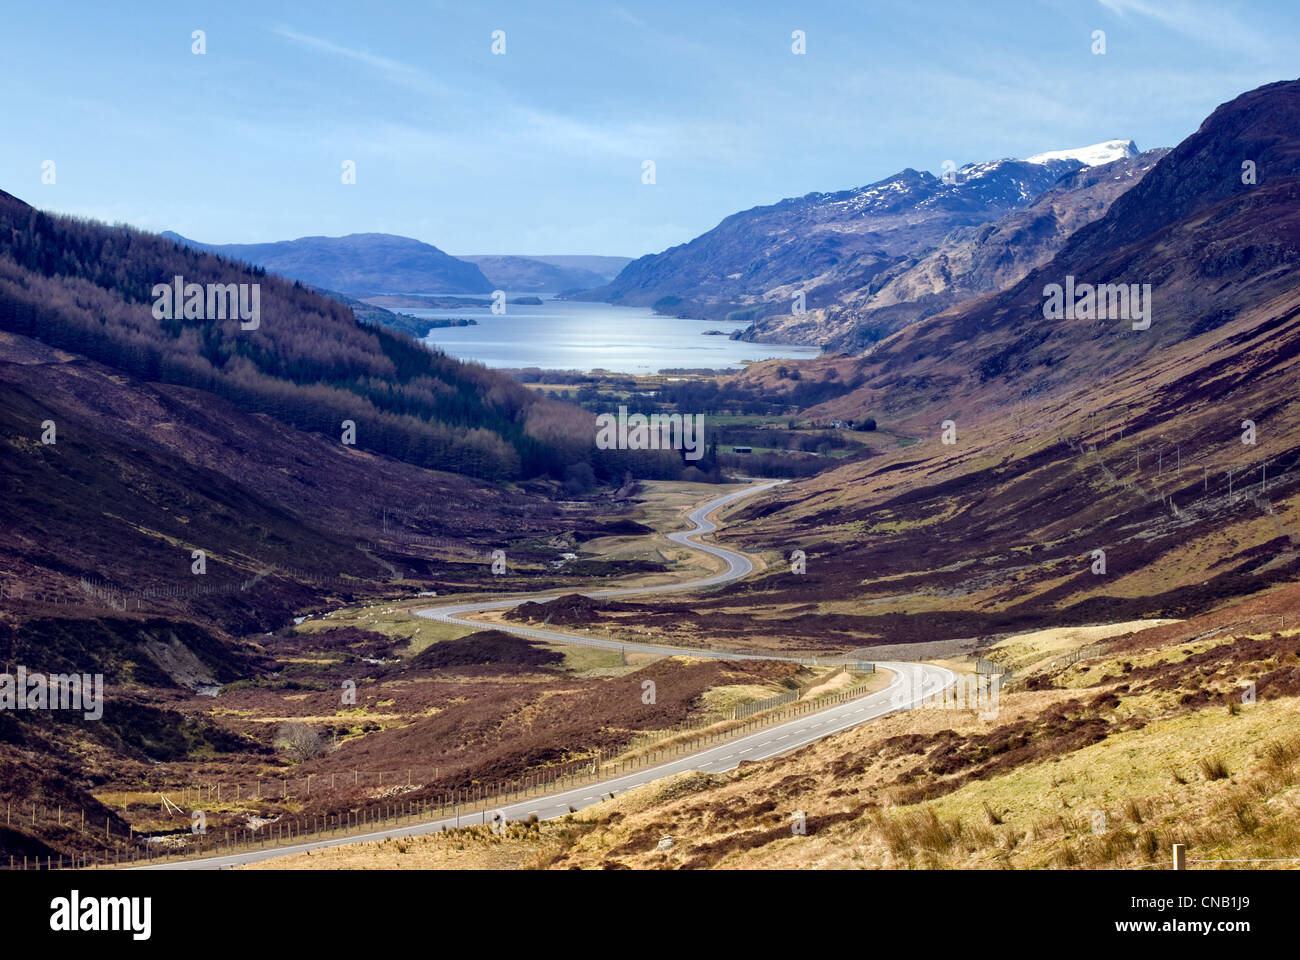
point(1180, 856)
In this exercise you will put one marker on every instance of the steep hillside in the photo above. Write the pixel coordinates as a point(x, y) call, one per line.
point(142, 474)
point(90, 289)
point(360, 264)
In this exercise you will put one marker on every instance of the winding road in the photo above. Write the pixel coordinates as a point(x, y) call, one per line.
point(738, 565)
point(912, 683)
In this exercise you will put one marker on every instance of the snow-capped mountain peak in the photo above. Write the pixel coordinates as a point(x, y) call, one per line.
point(1093, 156)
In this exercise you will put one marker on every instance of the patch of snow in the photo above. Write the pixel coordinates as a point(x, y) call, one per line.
point(1091, 156)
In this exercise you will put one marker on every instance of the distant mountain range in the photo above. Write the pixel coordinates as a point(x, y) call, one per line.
point(829, 246)
point(970, 261)
point(367, 264)
point(360, 264)
point(551, 274)
point(1219, 252)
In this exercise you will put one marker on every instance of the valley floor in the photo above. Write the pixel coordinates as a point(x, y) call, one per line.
point(1177, 732)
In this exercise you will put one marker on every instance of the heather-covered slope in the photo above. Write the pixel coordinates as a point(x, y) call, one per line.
point(141, 474)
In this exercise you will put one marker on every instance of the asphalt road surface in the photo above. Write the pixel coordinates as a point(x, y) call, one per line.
point(911, 683)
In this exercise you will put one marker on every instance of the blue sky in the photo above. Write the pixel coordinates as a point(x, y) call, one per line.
point(540, 150)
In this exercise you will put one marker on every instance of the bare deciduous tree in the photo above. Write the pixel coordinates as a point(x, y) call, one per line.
point(299, 740)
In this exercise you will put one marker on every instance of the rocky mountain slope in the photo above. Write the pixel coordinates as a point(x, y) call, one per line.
point(969, 262)
point(755, 262)
point(1218, 252)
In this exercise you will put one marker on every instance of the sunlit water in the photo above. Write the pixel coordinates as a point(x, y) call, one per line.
point(568, 335)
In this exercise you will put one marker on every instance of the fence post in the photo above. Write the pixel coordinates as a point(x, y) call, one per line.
point(1180, 856)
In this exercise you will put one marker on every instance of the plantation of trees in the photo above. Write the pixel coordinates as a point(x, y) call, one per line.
point(86, 288)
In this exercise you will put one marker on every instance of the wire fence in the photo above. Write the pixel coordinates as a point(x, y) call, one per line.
point(758, 706)
point(387, 806)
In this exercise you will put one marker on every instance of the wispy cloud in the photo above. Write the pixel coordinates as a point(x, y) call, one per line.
point(630, 18)
point(1211, 23)
point(569, 134)
point(393, 70)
